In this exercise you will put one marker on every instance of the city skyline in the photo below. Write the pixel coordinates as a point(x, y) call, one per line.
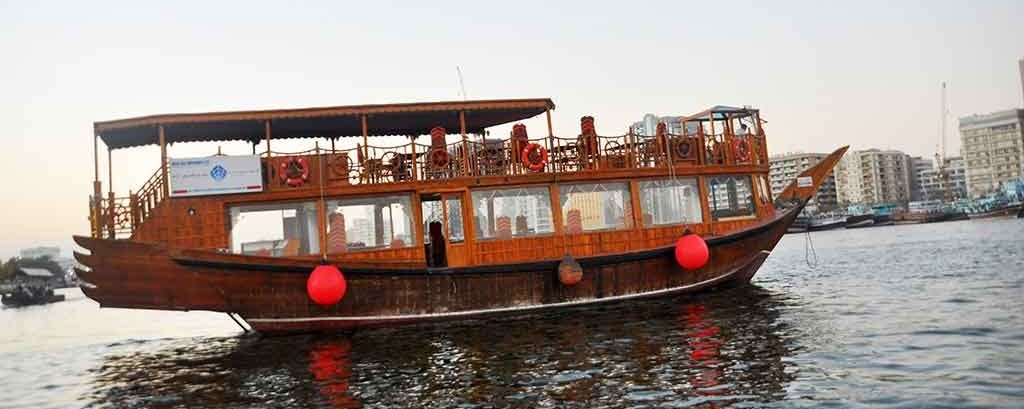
point(822, 75)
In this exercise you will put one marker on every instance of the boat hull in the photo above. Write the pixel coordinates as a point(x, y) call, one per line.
point(1007, 211)
point(272, 297)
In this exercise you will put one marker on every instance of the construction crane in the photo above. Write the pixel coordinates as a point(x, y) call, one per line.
point(940, 154)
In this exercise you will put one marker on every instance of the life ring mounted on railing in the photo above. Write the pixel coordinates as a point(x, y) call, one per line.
point(683, 148)
point(440, 158)
point(294, 171)
point(741, 149)
point(535, 157)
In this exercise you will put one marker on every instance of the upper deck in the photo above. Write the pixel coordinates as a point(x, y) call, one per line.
point(447, 149)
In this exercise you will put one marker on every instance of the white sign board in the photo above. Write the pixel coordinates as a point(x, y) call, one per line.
point(804, 181)
point(215, 175)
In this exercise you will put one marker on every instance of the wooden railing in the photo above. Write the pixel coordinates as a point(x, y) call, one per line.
point(119, 217)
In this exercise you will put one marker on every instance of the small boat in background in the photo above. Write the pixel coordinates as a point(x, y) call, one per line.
point(28, 295)
point(826, 222)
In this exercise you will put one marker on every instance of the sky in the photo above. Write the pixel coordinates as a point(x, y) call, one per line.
point(866, 73)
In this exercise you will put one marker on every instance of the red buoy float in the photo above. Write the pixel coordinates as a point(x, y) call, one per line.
point(691, 251)
point(326, 285)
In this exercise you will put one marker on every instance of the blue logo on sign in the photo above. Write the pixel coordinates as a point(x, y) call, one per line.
point(218, 173)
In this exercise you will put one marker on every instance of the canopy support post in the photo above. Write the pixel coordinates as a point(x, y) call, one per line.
point(111, 206)
point(266, 133)
point(465, 143)
point(551, 134)
point(412, 144)
point(96, 157)
point(163, 159)
point(97, 190)
point(366, 143)
point(110, 171)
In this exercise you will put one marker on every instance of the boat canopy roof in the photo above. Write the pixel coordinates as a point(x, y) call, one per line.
point(330, 122)
point(721, 113)
point(36, 272)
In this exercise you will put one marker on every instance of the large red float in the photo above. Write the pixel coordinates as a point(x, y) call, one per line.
point(691, 251)
point(326, 285)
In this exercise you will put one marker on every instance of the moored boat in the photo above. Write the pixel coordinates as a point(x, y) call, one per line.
point(22, 295)
point(826, 222)
point(466, 226)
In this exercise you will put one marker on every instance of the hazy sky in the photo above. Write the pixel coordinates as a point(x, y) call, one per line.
point(861, 73)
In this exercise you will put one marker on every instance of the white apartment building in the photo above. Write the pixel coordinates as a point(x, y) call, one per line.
point(931, 185)
point(786, 167)
point(872, 177)
point(993, 147)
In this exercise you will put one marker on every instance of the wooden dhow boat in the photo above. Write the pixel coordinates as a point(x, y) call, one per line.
point(456, 225)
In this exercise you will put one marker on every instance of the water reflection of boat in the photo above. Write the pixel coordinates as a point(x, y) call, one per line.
point(723, 348)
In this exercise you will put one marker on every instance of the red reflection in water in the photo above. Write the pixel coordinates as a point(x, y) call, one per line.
point(331, 368)
point(704, 341)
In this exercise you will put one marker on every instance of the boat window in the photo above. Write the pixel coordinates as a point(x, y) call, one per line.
point(730, 197)
point(278, 230)
point(670, 201)
point(595, 206)
point(369, 223)
point(764, 190)
point(455, 232)
point(506, 213)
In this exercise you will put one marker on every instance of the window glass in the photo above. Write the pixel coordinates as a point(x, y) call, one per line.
point(369, 223)
point(455, 232)
point(730, 196)
point(519, 212)
point(278, 230)
point(670, 201)
point(595, 206)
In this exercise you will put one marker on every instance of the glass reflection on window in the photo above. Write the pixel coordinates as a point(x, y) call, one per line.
point(369, 223)
point(730, 197)
point(595, 206)
point(507, 213)
point(670, 201)
point(455, 231)
point(275, 230)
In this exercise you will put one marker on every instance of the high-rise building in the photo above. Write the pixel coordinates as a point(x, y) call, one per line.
point(786, 167)
point(993, 147)
point(918, 166)
point(872, 177)
point(673, 125)
point(361, 232)
point(932, 186)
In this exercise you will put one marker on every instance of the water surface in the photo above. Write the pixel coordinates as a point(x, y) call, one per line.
point(889, 317)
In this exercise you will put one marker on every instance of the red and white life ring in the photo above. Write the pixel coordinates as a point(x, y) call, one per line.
point(535, 157)
point(294, 171)
point(741, 149)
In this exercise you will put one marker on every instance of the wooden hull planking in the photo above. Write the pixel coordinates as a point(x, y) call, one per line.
point(272, 298)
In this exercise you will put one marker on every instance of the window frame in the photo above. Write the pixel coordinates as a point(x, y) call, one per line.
point(473, 224)
point(628, 201)
point(753, 197)
point(697, 189)
point(413, 233)
point(229, 233)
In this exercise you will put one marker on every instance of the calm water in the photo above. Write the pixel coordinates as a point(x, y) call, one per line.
point(906, 316)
